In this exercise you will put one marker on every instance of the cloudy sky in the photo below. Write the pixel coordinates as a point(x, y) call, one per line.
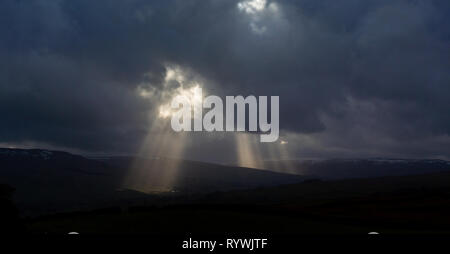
point(355, 78)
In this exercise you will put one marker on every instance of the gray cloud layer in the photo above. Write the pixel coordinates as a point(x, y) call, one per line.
point(359, 77)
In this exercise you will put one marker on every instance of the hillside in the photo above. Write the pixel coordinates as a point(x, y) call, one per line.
point(358, 168)
point(390, 205)
point(54, 181)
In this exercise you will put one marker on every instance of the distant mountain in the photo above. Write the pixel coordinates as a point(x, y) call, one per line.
point(51, 181)
point(358, 168)
point(191, 176)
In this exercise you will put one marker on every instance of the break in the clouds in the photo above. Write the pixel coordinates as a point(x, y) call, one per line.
point(355, 78)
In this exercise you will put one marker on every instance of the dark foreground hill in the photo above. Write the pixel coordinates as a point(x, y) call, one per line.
point(358, 168)
point(106, 196)
point(389, 205)
point(53, 181)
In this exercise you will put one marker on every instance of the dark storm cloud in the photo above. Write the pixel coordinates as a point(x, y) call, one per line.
point(70, 69)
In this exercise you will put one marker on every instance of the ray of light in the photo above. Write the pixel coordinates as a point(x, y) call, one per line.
point(280, 157)
point(157, 164)
point(271, 156)
point(156, 167)
point(248, 151)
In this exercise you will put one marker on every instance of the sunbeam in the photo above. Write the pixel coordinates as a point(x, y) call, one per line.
point(156, 166)
point(248, 152)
